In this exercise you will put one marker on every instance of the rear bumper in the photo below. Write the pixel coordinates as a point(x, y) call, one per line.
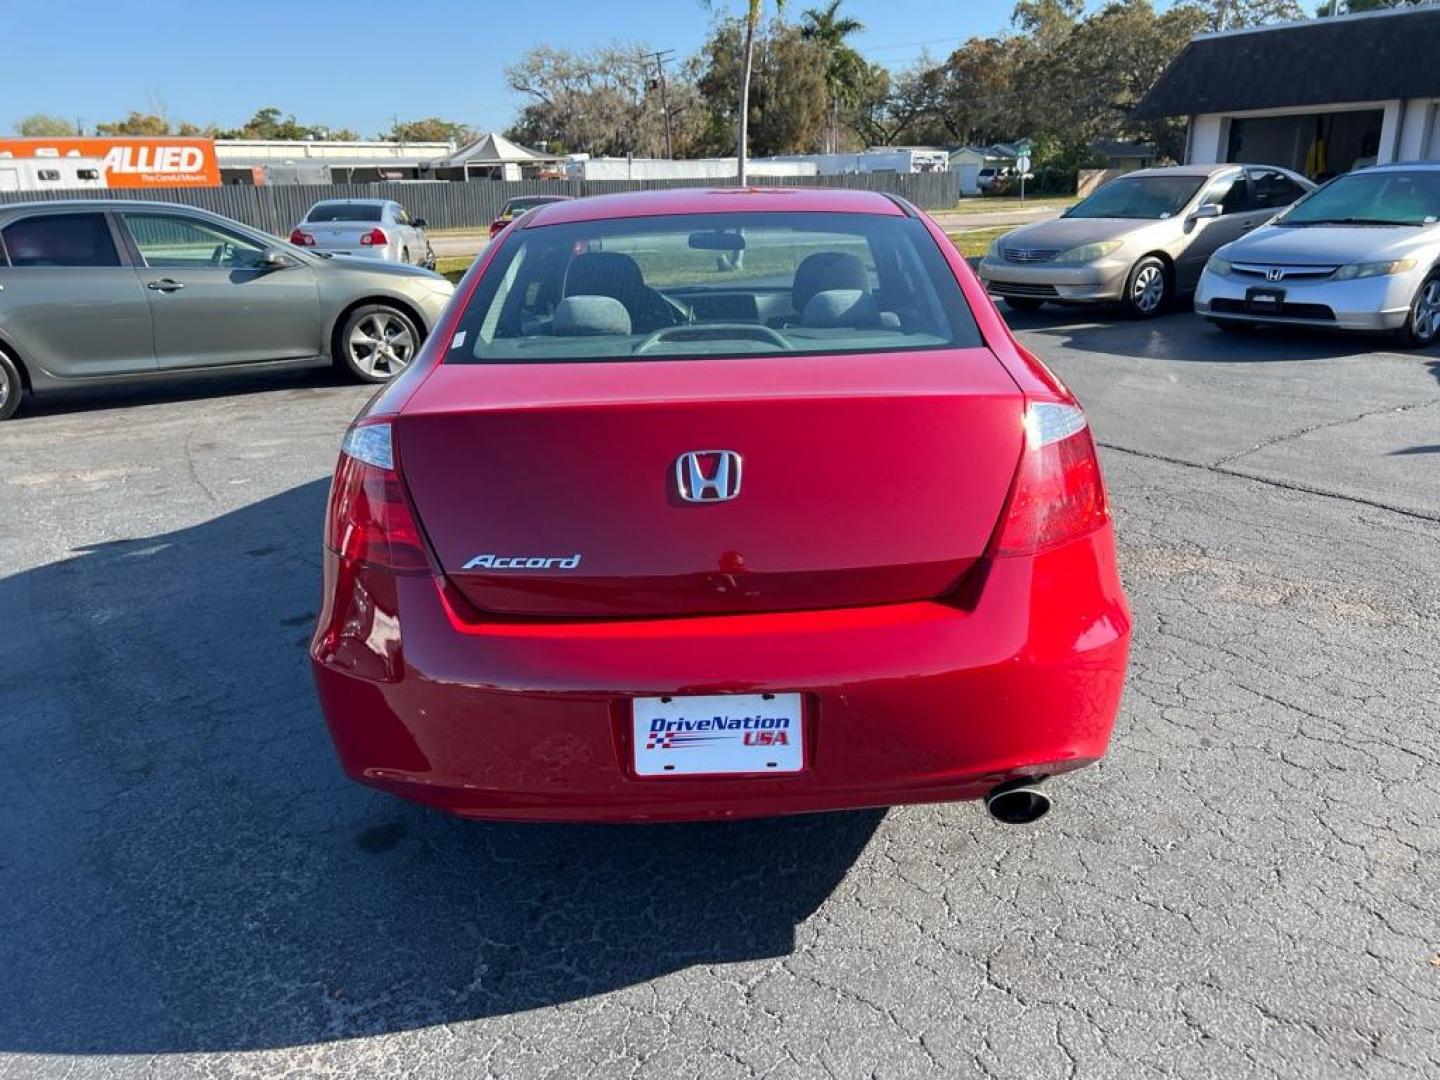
point(1094, 282)
point(916, 702)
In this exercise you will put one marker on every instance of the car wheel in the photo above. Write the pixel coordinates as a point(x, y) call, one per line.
point(1023, 303)
point(377, 342)
point(12, 387)
point(1422, 325)
point(1147, 289)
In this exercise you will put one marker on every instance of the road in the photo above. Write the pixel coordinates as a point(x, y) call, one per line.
point(1244, 888)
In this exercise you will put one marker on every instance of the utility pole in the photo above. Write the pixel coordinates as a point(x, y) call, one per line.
point(660, 57)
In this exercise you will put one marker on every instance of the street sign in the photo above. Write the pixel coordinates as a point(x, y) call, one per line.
point(1022, 163)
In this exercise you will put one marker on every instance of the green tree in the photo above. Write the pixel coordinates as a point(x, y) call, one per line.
point(137, 123)
point(845, 69)
point(785, 103)
point(1236, 14)
point(606, 100)
point(43, 124)
point(270, 123)
point(430, 129)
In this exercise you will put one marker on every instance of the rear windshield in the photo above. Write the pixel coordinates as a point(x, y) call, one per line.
point(1372, 198)
point(714, 285)
point(1152, 197)
point(339, 211)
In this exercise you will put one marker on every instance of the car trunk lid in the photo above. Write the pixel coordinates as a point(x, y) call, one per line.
point(552, 489)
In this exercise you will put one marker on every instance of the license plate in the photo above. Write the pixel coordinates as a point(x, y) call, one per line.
point(718, 734)
point(1265, 298)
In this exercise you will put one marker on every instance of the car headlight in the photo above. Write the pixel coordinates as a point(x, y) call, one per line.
point(1375, 269)
point(1089, 252)
point(994, 252)
point(1217, 265)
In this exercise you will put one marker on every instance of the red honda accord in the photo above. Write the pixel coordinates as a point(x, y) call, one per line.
point(716, 504)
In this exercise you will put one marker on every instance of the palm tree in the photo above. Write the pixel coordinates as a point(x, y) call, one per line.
point(844, 67)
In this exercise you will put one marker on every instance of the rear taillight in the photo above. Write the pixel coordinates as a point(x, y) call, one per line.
point(301, 238)
point(496, 226)
point(374, 238)
point(1058, 493)
point(370, 518)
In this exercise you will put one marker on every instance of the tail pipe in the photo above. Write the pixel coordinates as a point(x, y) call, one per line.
point(1017, 803)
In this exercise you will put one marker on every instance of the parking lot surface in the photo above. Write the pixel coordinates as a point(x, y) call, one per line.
point(1246, 887)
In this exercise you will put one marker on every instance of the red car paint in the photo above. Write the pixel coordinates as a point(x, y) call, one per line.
point(943, 597)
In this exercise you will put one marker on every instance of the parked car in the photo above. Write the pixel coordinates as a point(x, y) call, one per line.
point(368, 228)
point(660, 535)
point(987, 178)
point(1361, 253)
point(120, 289)
point(1141, 239)
point(518, 205)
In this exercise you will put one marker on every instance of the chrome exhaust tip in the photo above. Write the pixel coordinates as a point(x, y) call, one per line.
point(1017, 804)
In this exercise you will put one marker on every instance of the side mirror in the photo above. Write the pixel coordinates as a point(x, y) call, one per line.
point(275, 259)
point(1209, 210)
point(418, 222)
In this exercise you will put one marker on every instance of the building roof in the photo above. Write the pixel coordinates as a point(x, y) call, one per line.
point(493, 149)
point(700, 200)
point(1368, 57)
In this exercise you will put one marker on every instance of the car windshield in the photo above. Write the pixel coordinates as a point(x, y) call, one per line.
point(1150, 197)
point(1371, 198)
point(700, 285)
point(340, 211)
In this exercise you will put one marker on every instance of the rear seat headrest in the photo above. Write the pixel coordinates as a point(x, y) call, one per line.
point(841, 307)
point(589, 316)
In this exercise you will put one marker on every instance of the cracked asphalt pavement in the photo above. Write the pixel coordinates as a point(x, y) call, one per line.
point(1246, 887)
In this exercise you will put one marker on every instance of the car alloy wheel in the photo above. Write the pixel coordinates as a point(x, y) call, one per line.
point(11, 388)
point(381, 343)
point(1425, 313)
point(1146, 291)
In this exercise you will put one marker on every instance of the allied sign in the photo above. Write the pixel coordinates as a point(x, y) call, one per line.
point(130, 161)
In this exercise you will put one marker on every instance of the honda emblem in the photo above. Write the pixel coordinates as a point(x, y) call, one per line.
point(1274, 274)
point(708, 475)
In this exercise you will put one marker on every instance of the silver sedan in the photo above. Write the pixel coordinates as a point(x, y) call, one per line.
point(1142, 239)
point(367, 229)
point(1360, 253)
point(112, 289)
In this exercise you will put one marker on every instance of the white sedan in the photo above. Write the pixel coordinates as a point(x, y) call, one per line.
point(366, 228)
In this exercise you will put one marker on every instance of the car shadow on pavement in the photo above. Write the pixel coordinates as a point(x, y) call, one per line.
point(184, 868)
point(1110, 330)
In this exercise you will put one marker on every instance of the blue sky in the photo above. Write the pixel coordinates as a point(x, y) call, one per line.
point(358, 63)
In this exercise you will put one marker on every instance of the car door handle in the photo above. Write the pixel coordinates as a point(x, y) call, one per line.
point(165, 285)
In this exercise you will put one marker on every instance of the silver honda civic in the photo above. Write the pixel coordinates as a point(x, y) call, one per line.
point(1360, 253)
point(113, 289)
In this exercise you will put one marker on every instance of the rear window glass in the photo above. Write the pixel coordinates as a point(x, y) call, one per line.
point(714, 285)
point(335, 211)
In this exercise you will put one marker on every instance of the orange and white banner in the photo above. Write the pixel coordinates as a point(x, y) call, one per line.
point(129, 161)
